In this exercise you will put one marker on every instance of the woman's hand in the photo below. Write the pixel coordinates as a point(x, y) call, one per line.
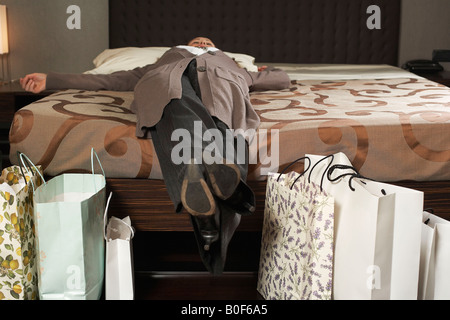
point(34, 82)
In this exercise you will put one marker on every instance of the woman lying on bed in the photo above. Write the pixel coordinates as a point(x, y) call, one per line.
point(193, 91)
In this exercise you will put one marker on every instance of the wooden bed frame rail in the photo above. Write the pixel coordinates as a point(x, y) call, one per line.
point(150, 208)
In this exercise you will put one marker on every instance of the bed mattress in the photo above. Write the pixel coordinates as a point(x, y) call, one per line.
point(392, 125)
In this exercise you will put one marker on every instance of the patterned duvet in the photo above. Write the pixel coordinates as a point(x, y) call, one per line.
point(391, 129)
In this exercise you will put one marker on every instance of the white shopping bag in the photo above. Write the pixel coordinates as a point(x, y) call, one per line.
point(377, 234)
point(434, 281)
point(119, 273)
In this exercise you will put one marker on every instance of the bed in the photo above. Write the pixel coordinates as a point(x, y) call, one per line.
point(346, 95)
point(390, 123)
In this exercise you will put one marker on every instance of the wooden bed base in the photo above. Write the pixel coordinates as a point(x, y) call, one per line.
point(150, 209)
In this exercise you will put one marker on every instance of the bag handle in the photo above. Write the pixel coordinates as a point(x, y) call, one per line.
point(93, 152)
point(430, 212)
point(292, 163)
point(309, 176)
point(105, 220)
point(352, 175)
point(326, 169)
point(28, 163)
point(105, 215)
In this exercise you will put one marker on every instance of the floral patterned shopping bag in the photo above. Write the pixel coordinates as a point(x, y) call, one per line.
point(296, 261)
point(18, 271)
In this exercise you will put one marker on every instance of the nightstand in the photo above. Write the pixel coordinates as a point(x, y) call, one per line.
point(12, 98)
point(442, 77)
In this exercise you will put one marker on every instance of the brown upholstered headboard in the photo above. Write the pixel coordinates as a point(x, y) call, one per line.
point(294, 31)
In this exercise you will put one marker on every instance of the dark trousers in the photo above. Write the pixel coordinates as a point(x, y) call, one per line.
point(182, 114)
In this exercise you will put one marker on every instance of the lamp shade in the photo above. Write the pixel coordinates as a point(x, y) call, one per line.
point(4, 48)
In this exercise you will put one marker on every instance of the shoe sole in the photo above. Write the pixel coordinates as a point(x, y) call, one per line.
point(224, 179)
point(196, 196)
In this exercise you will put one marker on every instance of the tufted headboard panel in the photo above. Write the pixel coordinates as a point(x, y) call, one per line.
point(291, 31)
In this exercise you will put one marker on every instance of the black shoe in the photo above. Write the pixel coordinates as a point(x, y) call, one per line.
point(224, 178)
point(243, 200)
point(196, 196)
point(208, 230)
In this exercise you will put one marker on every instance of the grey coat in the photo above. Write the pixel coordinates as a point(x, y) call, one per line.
point(223, 84)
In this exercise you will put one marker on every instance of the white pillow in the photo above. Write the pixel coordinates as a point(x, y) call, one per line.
point(112, 60)
point(128, 58)
point(244, 61)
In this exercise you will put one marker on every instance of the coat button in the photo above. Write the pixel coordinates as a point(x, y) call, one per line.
point(201, 69)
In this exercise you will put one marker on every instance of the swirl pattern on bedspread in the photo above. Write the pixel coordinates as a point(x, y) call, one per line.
point(391, 129)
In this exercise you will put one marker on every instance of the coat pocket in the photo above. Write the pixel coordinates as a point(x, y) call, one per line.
point(233, 77)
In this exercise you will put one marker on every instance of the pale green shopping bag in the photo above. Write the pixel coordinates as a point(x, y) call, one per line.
point(69, 226)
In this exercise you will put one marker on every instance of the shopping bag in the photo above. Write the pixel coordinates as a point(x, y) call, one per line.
point(297, 240)
point(18, 270)
point(377, 234)
point(70, 241)
point(434, 281)
point(119, 272)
